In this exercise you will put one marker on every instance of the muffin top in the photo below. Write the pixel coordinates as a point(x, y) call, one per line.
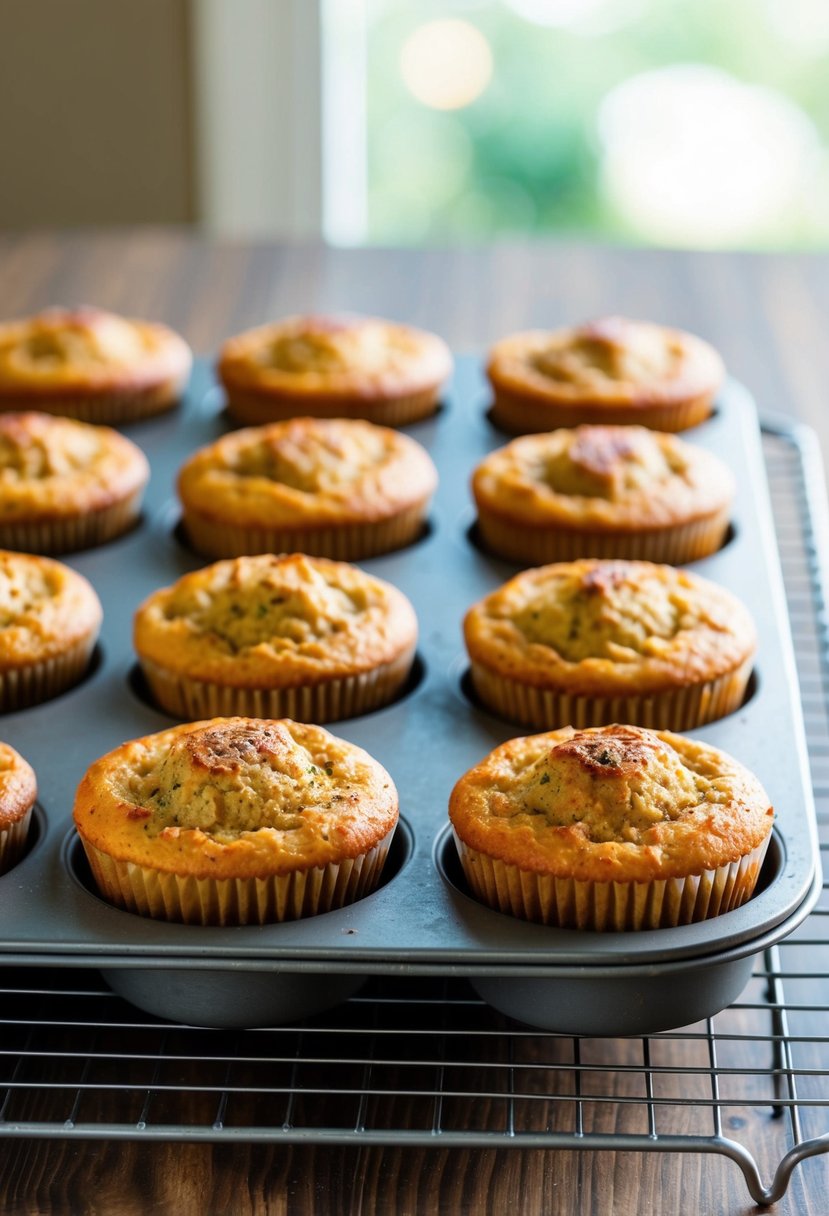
point(611, 803)
point(18, 786)
point(235, 798)
point(45, 609)
point(606, 477)
point(86, 349)
point(595, 625)
point(275, 621)
point(52, 467)
point(347, 356)
point(307, 471)
point(609, 361)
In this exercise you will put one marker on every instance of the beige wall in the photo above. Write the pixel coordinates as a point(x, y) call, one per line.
point(95, 105)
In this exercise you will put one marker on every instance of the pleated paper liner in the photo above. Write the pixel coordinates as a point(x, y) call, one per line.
point(518, 415)
point(29, 685)
point(328, 701)
point(13, 841)
point(346, 542)
point(237, 901)
point(676, 709)
point(535, 546)
point(72, 533)
point(568, 903)
point(116, 408)
point(253, 409)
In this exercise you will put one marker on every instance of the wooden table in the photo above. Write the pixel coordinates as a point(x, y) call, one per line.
point(768, 315)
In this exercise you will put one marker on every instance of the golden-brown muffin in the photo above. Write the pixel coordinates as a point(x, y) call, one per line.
point(611, 370)
point(334, 367)
point(602, 491)
point(66, 485)
point(611, 828)
point(236, 821)
point(331, 487)
point(591, 642)
point(92, 365)
point(49, 622)
point(276, 636)
point(18, 791)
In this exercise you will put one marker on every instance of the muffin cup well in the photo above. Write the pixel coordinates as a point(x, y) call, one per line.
point(240, 901)
point(349, 542)
point(519, 415)
point(22, 686)
point(253, 409)
point(676, 709)
point(534, 546)
point(67, 535)
point(329, 701)
point(569, 903)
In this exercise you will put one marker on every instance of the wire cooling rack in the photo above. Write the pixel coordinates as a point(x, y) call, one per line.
point(419, 1061)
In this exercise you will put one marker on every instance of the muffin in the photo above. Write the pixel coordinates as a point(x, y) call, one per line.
point(236, 821)
point(66, 485)
point(276, 636)
point(602, 491)
point(49, 622)
point(334, 367)
point(591, 642)
point(92, 365)
point(340, 488)
point(611, 370)
point(18, 790)
point(613, 828)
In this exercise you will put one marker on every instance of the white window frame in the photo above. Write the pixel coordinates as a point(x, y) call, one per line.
point(280, 118)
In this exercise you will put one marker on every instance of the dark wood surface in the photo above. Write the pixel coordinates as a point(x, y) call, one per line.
point(768, 315)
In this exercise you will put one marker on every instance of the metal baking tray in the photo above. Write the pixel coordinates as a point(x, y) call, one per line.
point(422, 919)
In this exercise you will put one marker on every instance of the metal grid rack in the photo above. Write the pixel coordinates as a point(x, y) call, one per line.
point(424, 1062)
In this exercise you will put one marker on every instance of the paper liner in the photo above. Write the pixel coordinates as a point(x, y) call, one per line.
point(569, 903)
point(349, 542)
point(106, 408)
point(330, 701)
point(254, 409)
point(527, 415)
point(74, 532)
point(38, 682)
point(677, 709)
point(534, 546)
point(236, 901)
point(13, 841)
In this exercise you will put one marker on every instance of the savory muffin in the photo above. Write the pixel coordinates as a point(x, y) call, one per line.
point(611, 370)
point(276, 636)
point(49, 622)
point(591, 642)
point(66, 485)
point(18, 790)
point(612, 828)
point(332, 487)
point(334, 367)
point(93, 365)
point(236, 821)
point(602, 491)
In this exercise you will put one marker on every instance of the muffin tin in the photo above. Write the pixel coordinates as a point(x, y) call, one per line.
point(421, 920)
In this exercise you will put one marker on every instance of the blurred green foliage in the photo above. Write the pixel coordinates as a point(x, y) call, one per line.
point(525, 156)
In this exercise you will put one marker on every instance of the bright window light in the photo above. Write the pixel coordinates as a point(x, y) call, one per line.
point(446, 64)
point(584, 16)
point(692, 156)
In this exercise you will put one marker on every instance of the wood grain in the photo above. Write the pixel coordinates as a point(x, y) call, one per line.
point(768, 315)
